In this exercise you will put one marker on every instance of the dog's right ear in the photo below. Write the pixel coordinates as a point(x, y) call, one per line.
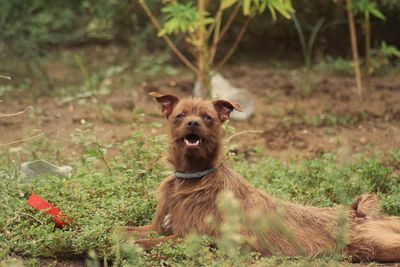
point(167, 102)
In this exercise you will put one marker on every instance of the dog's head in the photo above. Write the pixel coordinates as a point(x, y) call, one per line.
point(195, 123)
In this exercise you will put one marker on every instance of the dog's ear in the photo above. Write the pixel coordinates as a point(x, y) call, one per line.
point(224, 108)
point(167, 102)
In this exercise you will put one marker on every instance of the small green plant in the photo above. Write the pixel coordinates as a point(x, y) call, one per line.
point(383, 57)
point(393, 159)
point(94, 84)
point(307, 44)
point(307, 49)
point(203, 31)
point(337, 65)
point(155, 64)
point(331, 120)
point(389, 51)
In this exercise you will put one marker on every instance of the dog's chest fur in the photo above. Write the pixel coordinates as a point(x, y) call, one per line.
point(191, 202)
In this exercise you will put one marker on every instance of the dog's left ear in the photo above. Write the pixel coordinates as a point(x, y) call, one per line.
point(167, 102)
point(224, 108)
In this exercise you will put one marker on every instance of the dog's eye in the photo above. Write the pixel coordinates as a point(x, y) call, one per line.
point(180, 116)
point(206, 117)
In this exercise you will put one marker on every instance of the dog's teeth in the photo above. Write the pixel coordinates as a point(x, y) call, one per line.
point(188, 143)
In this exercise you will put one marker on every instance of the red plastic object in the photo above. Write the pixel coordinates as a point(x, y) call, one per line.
point(40, 204)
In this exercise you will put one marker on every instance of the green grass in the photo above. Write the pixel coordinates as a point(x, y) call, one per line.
point(99, 198)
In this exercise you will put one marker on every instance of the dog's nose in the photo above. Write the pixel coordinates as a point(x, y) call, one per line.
point(192, 124)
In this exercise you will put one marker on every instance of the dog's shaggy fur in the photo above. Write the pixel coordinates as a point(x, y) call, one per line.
point(184, 204)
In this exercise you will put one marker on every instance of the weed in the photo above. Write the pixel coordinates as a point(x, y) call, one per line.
point(382, 59)
point(152, 65)
point(99, 83)
point(336, 65)
point(332, 119)
point(307, 49)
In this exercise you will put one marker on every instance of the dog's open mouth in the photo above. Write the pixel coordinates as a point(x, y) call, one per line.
point(192, 140)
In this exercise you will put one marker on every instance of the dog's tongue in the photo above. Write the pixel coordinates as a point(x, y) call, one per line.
point(191, 142)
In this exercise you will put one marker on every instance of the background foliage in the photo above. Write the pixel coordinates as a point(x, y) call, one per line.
point(29, 27)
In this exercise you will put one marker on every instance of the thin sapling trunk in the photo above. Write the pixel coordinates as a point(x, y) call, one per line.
point(354, 49)
point(367, 25)
point(203, 64)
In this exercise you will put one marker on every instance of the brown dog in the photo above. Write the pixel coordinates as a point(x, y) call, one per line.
point(188, 197)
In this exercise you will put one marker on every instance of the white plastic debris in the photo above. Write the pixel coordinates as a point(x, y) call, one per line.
point(223, 89)
point(42, 168)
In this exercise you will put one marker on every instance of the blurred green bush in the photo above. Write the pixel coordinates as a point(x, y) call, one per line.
point(28, 28)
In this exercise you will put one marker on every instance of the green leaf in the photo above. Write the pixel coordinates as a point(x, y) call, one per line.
point(377, 13)
point(263, 6)
point(284, 8)
point(208, 21)
point(246, 7)
point(389, 50)
point(180, 18)
point(273, 13)
point(227, 3)
point(367, 7)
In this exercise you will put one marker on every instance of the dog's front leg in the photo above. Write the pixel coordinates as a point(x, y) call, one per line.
point(140, 231)
point(150, 243)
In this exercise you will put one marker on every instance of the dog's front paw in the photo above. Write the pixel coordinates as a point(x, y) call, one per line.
point(146, 244)
point(166, 226)
point(150, 243)
point(138, 232)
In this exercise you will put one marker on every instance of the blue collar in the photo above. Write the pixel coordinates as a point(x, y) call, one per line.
point(193, 175)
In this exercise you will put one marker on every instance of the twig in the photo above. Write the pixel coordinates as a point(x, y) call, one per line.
point(224, 30)
point(213, 25)
point(171, 45)
point(103, 159)
point(217, 26)
point(22, 140)
point(15, 114)
point(230, 20)
point(5, 77)
point(235, 44)
point(27, 214)
point(243, 132)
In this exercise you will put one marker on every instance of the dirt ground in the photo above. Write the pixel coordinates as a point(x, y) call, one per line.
point(330, 119)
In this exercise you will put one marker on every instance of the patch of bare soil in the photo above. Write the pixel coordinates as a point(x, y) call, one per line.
point(331, 119)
